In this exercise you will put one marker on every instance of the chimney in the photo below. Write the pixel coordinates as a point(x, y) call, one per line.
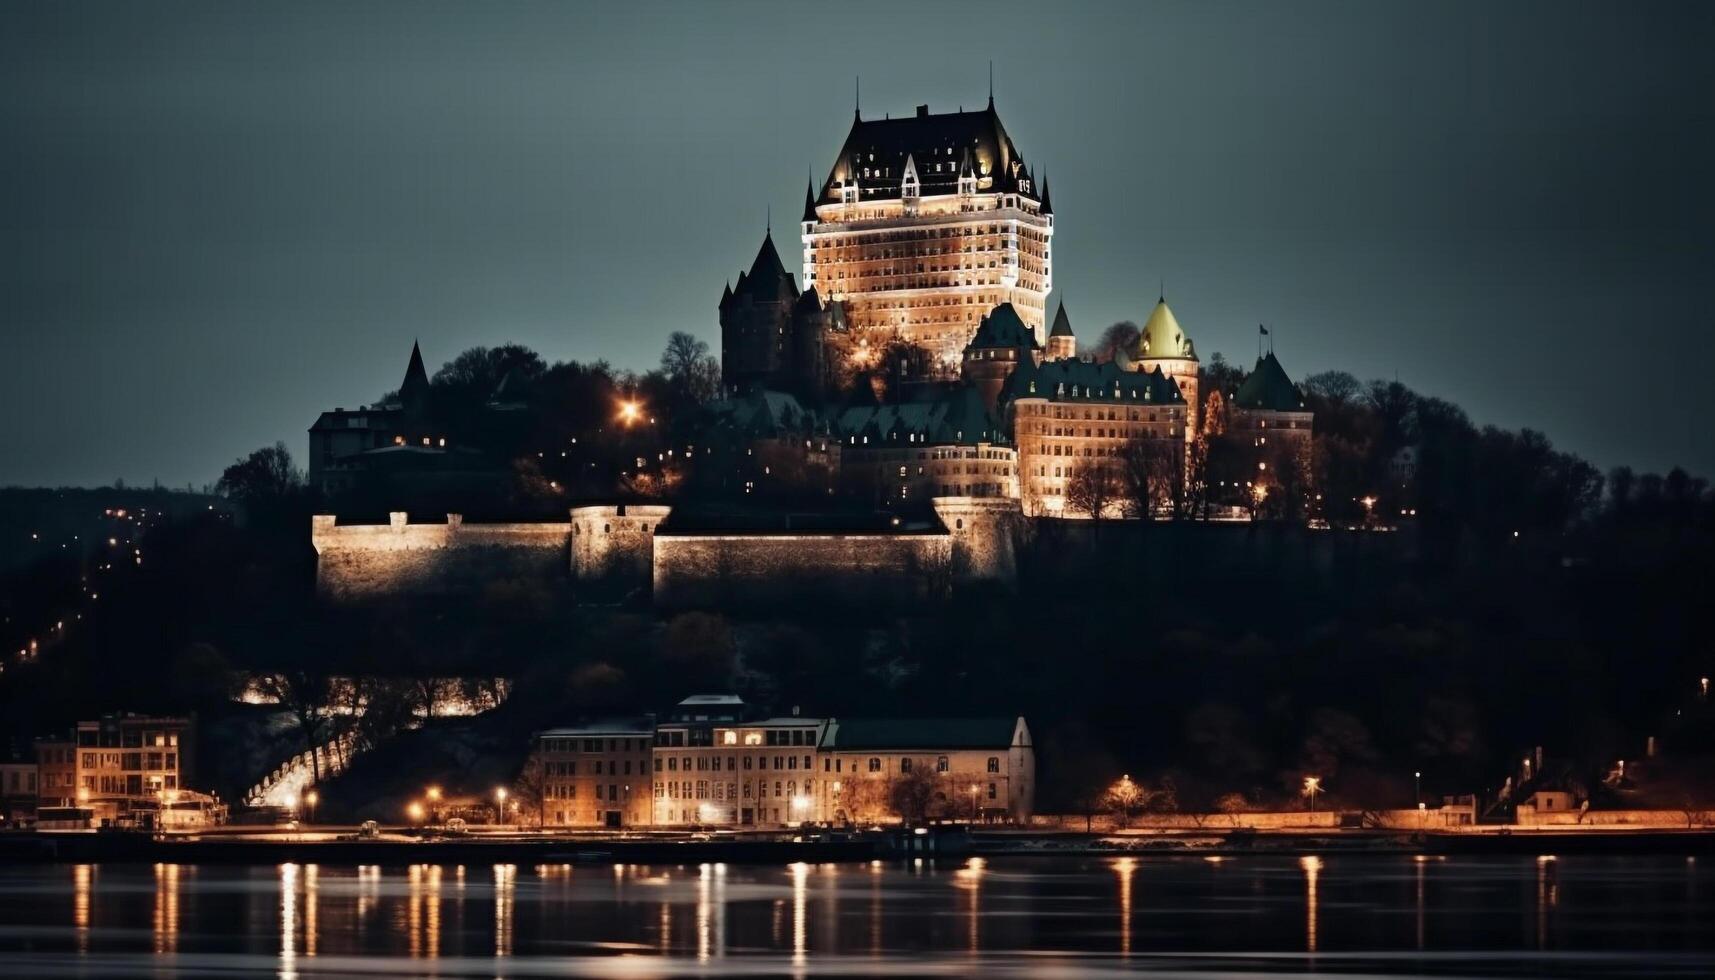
point(794, 711)
point(922, 111)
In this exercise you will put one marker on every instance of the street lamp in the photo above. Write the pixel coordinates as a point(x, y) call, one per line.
point(629, 411)
point(434, 796)
point(310, 800)
point(1417, 789)
point(500, 803)
point(974, 791)
point(415, 812)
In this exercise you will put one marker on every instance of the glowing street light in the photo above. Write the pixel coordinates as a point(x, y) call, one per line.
point(310, 800)
point(629, 411)
point(1312, 784)
point(415, 812)
point(500, 802)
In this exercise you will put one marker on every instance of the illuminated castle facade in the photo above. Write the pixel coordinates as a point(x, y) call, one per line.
point(926, 223)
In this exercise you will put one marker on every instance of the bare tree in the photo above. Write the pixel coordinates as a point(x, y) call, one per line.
point(913, 791)
point(307, 694)
point(530, 789)
point(1121, 336)
point(1151, 476)
point(1093, 488)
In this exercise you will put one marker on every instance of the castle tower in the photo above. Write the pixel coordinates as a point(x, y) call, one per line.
point(1002, 340)
point(755, 321)
point(1163, 344)
point(982, 530)
point(924, 223)
point(1062, 343)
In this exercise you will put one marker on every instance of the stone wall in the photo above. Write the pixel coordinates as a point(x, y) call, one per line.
point(400, 558)
point(615, 542)
point(614, 551)
point(983, 531)
point(765, 570)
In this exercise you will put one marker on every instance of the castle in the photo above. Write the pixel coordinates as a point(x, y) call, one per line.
point(916, 371)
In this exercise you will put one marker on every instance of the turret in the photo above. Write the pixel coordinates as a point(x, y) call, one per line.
point(1062, 343)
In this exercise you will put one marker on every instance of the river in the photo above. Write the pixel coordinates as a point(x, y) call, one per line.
point(1371, 915)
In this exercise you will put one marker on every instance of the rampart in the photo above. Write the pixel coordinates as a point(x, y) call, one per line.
point(727, 570)
point(614, 551)
point(356, 562)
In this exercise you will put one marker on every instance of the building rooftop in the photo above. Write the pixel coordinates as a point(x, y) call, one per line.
point(940, 147)
point(941, 416)
point(921, 733)
point(1003, 327)
point(1073, 379)
point(1269, 389)
point(1162, 337)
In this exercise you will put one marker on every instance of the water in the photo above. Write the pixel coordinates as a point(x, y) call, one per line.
point(1019, 917)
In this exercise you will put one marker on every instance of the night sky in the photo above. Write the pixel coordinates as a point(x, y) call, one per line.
point(216, 220)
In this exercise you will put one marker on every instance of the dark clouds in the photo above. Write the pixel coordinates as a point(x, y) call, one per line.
point(217, 219)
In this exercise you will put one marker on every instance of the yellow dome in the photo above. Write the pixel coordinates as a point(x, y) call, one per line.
point(1163, 338)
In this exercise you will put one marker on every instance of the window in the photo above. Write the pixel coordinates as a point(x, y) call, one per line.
point(904, 765)
point(874, 765)
point(994, 763)
point(941, 764)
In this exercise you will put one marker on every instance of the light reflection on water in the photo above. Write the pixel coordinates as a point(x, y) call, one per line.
point(1384, 915)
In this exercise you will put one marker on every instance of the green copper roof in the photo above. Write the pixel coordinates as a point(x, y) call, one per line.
point(1163, 338)
point(1269, 388)
point(1003, 327)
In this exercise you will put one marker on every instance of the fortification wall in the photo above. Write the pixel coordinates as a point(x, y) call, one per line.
point(758, 570)
point(355, 562)
point(614, 544)
point(983, 530)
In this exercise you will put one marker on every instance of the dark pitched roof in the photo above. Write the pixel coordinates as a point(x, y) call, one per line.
point(939, 417)
point(1073, 379)
point(934, 141)
point(1047, 205)
point(1269, 388)
point(1062, 323)
point(762, 414)
point(1003, 327)
point(809, 201)
point(414, 392)
point(767, 280)
point(891, 734)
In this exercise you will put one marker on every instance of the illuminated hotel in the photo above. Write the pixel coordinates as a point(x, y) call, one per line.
point(924, 224)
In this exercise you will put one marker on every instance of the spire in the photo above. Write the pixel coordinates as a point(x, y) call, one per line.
point(991, 83)
point(809, 199)
point(768, 220)
point(1047, 206)
point(414, 391)
point(857, 98)
point(1062, 323)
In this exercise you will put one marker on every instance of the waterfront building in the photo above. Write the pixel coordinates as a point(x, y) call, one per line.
point(984, 769)
point(715, 764)
point(713, 767)
point(925, 222)
point(594, 775)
